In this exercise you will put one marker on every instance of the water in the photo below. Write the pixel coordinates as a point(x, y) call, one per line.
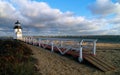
point(100, 39)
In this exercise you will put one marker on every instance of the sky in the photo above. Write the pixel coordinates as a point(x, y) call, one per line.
point(61, 17)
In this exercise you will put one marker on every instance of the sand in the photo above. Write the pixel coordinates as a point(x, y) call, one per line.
point(50, 63)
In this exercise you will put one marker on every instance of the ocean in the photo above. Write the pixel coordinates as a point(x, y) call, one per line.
point(99, 38)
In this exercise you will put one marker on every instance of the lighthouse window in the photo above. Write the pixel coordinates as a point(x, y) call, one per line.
point(19, 30)
point(16, 30)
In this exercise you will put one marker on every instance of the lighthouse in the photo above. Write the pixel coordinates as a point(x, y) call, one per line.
point(17, 31)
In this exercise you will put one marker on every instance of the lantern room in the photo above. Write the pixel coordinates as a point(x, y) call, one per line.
point(17, 31)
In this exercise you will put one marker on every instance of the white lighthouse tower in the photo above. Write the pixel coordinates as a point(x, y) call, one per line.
point(17, 31)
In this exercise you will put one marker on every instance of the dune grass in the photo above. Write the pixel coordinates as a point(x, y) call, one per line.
point(15, 59)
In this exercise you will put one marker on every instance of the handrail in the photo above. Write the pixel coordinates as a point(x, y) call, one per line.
point(53, 43)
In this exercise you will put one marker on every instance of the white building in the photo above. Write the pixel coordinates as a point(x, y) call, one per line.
point(17, 31)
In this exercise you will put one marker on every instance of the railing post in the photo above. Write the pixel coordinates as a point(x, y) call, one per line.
point(26, 39)
point(61, 43)
point(29, 40)
point(80, 52)
point(52, 46)
point(33, 41)
point(39, 42)
point(94, 47)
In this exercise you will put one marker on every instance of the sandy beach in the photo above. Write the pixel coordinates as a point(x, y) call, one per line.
point(50, 63)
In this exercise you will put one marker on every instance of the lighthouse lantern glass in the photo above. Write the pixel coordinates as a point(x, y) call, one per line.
point(19, 30)
point(16, 30)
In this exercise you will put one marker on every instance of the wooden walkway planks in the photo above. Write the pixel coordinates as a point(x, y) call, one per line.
point(104, 66)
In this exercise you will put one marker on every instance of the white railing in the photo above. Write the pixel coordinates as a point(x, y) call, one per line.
point(69, 44)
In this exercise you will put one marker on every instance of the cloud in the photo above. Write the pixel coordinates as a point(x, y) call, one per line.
point(110, 11)
point(38, 18)
point(104, 7)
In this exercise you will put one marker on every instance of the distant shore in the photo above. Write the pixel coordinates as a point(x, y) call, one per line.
point(99, 38)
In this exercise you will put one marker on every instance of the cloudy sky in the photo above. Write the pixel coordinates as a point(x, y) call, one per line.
point(61, 17)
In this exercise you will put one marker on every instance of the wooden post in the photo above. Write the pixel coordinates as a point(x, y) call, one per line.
point(32, 41)
point(39, 42)
point(94, 47)
point(52, 46)
point(80, 52)
point(61, 43)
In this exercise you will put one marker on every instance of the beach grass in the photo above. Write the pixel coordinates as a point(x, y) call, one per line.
point(15, 58)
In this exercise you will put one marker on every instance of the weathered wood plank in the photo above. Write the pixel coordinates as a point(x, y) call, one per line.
point(99, 63)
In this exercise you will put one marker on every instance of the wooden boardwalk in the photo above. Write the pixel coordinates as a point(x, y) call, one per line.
point(102, 65)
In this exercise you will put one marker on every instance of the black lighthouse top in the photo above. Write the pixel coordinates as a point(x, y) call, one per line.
point(17, 22)
point(17, 25)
